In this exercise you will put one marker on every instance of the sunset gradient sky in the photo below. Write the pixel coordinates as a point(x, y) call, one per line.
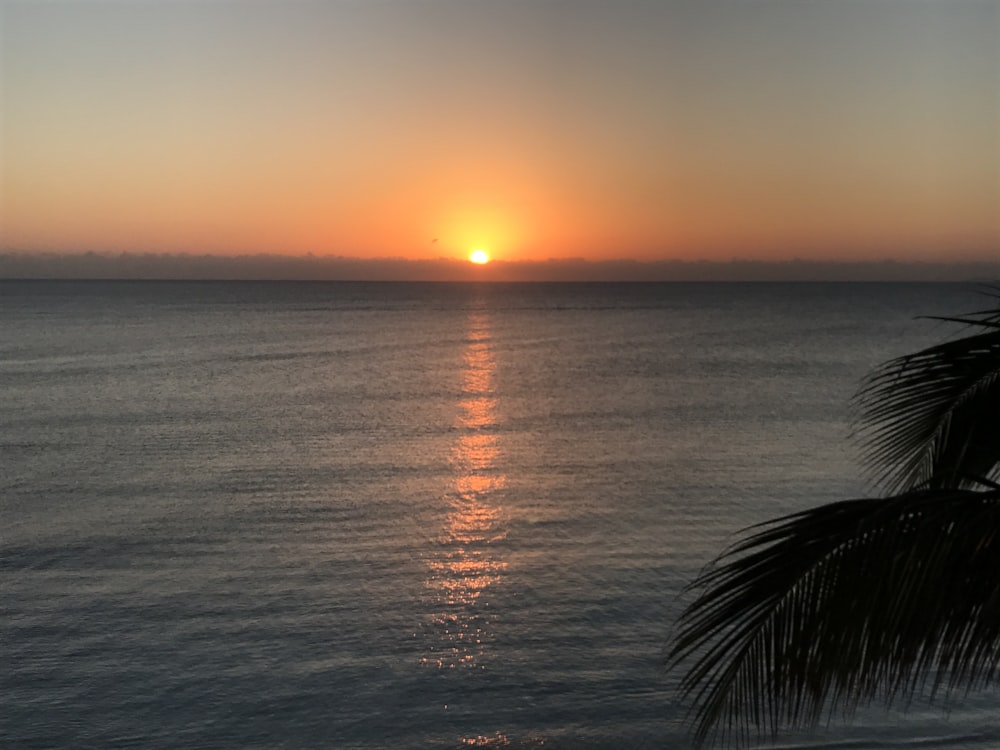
point(535, 129)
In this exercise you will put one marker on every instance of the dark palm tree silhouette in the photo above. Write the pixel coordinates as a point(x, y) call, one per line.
point(873, 599)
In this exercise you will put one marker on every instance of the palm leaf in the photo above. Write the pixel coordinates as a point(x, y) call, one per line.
point(933, 418)
point(832, 607)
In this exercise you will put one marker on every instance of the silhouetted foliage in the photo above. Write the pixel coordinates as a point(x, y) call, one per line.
point(933, 418)
point(868, 599)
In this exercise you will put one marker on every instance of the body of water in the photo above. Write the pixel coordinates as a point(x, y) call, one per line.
point(348, 515)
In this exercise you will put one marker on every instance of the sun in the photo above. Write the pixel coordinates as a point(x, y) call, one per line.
point(479, 257)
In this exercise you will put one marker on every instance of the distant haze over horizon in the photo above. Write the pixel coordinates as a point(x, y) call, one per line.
point(423, 129)
point(262, 267)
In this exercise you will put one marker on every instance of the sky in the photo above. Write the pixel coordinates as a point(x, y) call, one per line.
point(648, 130)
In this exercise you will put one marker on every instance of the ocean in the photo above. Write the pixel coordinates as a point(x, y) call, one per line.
point(392, 515)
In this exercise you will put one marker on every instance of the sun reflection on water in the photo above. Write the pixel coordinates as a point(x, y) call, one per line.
point(480, 740)
point(466, 564)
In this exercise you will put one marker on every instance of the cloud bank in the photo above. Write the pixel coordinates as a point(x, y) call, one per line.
point(91, 265)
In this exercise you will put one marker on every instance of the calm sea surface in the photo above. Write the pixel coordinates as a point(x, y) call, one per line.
point(291, 515)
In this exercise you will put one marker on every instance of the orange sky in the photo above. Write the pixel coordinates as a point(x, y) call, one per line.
point(645, 130)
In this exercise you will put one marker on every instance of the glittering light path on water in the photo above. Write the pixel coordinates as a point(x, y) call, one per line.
point(466, 565)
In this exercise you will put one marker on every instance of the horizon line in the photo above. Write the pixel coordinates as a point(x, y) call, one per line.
point(107, 266)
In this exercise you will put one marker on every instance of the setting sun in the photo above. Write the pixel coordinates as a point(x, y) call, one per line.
point(479, 256)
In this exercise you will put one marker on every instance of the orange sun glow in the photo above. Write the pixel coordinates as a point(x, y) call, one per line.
point(479, 257)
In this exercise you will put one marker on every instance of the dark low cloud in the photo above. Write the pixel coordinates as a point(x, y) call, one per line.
point(23, 265)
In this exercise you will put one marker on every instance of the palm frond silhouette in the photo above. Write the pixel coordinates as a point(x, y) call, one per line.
point(873, 598)
point(933, 418)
